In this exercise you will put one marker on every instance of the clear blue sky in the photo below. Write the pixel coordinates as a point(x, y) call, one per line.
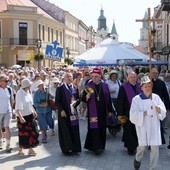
point(124, 12)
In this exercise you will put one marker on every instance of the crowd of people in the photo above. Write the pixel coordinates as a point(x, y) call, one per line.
point(90, 93)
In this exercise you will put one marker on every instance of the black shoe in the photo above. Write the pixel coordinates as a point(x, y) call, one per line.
point(131, 151)
point(75, 153)
point(98, 151)
point(67, 153)
point(136, 164)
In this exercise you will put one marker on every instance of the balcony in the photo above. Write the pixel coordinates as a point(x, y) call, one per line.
point(165, 5)
point(23, 41)
point(18, 42)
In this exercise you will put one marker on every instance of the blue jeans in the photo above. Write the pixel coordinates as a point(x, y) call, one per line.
point(45, 121)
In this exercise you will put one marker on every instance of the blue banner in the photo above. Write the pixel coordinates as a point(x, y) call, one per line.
point(53, 52)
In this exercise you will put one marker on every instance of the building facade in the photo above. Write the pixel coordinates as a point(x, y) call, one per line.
point(26, 23)
point(22, 23)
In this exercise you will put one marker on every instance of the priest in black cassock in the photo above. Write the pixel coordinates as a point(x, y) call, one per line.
point(97, 96)
point(67, 100)
point(126, 92)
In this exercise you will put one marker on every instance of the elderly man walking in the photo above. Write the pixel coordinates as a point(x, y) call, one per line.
point(5, 111)
point(126, 92)
point(147, 109)
point(97, 96)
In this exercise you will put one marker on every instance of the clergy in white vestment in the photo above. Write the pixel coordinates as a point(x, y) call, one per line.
point(146, 112)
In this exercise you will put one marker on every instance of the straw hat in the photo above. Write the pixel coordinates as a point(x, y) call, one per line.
point(39, 82)
point(25, 83)
point(55, 80)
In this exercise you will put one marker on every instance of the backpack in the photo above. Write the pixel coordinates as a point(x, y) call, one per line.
point(9, 90)
point(11, 97)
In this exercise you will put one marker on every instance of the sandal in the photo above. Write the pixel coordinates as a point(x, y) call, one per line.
point(21, 153)
point(32, 153)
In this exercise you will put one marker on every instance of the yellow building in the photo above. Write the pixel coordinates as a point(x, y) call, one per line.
point(22, 23)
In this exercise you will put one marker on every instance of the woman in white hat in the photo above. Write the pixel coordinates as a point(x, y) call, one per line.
point(114, 84)
point(28, 136)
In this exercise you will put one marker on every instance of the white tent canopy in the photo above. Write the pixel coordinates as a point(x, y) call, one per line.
point(109, 52)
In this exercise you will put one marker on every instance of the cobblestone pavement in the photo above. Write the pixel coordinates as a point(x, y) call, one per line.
point(49, 155)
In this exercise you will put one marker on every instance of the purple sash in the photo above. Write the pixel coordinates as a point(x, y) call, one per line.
point(130, 92)
point(68, 93)
point(93, 117)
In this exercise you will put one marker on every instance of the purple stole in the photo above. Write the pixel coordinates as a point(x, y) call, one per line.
point(93, 118)
point(130, 92)
point(69, 94)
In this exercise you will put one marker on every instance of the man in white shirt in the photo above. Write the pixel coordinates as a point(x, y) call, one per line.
point(147, 109)
point(5, 111)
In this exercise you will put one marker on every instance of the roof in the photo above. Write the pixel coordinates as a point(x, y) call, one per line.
point(24, 3)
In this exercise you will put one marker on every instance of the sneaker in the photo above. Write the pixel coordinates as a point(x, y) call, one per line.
point(136, 164)
point(44, 139)
point(8, 149)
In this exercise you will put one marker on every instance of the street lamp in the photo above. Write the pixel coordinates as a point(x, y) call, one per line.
point(39, 41)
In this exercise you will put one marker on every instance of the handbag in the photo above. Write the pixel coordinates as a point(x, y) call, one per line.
point(52, 104)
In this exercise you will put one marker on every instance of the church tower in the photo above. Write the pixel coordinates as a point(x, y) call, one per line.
point(113, 33)
point(102, 29)
point(102, 20)
point(143, 41)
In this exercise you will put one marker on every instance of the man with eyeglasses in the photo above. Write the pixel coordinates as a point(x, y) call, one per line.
point(127, 91)
point(67, 100)
point(5, 111)
point(97, 97)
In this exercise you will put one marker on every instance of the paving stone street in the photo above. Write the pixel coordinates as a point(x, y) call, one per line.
point(49, 156)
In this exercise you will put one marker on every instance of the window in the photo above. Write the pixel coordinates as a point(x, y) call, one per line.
point(0, 32)
point(48, 34)
point(61, 37)
point(39, 31)
point(56, 35)
point(52, 37)
point(23, 33)
point(43, 32)
point(0, 29)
